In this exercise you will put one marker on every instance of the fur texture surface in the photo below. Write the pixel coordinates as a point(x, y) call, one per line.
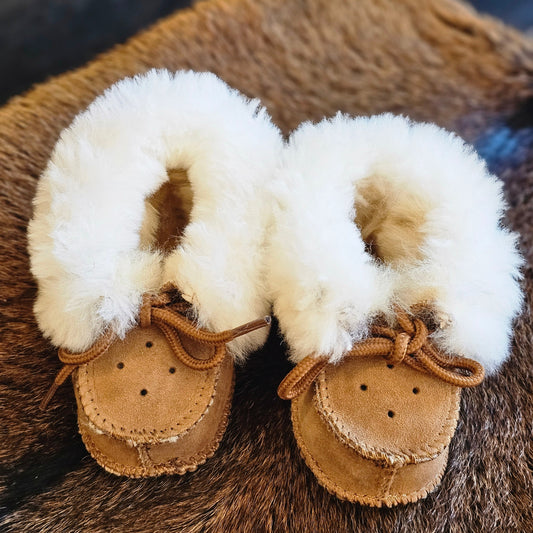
point(434, 60)
point(91, 209)
point(430, 214)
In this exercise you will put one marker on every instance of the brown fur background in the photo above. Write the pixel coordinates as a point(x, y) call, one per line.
point(432, 59)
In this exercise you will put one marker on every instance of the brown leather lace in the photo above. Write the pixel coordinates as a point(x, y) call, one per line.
point(407, 344)
point(156, 310)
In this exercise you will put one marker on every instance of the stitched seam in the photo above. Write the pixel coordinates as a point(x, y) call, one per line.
point(386, 483)
point(307, 454)
point(108, 426)
point(144, 459)
point(170, 438)
point(375, 452)
point(172, 466)
point(87, 397)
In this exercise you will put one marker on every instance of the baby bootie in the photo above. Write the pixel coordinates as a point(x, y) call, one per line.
point(147, 242)
point(395, 285)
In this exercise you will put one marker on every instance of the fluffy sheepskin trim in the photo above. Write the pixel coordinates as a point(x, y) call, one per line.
point(430, 209)
point(84, 239)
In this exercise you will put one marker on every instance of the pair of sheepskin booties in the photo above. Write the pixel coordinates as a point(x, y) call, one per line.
point(172, 217)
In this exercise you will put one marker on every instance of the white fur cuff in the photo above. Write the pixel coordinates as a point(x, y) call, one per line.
point(377, 212)
point(90, 238)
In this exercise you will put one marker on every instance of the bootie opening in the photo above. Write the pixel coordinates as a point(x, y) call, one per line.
point(168, 212)
point(390, 219)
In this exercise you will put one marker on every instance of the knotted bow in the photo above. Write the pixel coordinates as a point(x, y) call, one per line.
point(160, 311)
point(407, 344)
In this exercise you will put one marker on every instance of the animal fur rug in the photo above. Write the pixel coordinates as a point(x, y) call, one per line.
point(435, 60)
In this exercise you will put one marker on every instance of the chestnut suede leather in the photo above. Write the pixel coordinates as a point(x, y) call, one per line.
point(142, 412)
point(374, 432)
point(156, 402)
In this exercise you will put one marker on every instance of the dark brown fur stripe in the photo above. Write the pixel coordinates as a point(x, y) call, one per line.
point(432, 59)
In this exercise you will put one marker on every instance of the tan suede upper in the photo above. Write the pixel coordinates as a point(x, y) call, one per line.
point(376, 427)
point(157, 401)
point(142, 412)
point(369, 438)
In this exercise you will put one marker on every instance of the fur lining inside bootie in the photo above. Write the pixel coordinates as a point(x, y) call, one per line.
point(395, 285)
point(143, 267)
